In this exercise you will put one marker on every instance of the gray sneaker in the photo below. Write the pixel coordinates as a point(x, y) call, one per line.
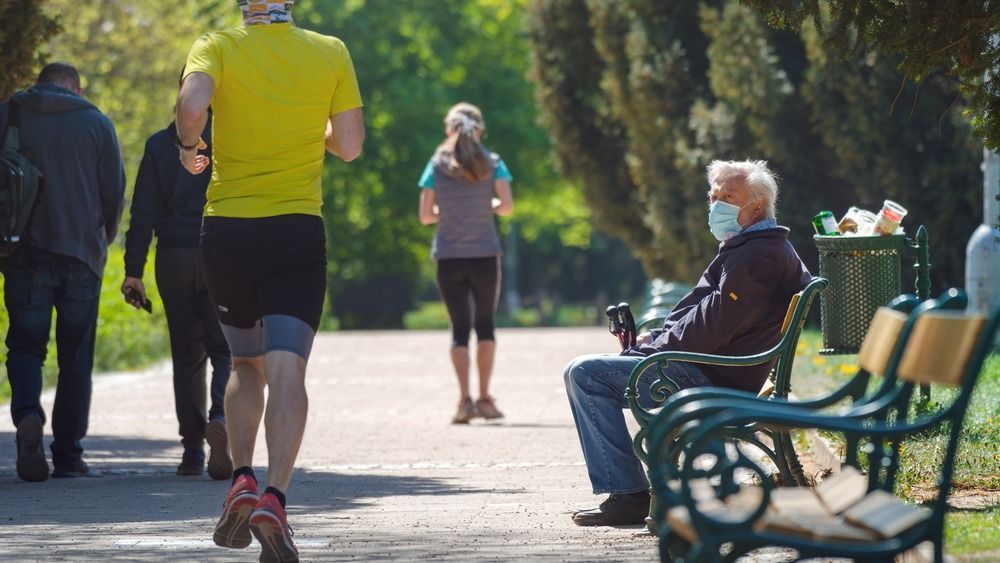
point(487, 408)
point(466, 411)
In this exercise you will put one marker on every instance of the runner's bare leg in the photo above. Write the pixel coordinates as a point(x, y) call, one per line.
point(485, 351)
point(460, 359)
point(285, 417)
point(244, 408)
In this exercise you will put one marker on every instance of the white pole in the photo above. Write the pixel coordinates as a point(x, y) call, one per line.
point(982, 254)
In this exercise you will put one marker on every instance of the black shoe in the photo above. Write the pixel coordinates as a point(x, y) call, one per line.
point(31, 464)
point(617, 510)
point(192, 464)
point(75, 468)
point(220, 465)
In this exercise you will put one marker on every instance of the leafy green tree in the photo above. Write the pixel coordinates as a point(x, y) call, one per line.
point(589, 145)
point(414, 60)
point(957, 37)
point(683, 83)
point(23, 27)
point(130, 57)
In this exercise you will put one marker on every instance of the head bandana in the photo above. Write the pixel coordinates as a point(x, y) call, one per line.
point(462, 123)
point(262, 12)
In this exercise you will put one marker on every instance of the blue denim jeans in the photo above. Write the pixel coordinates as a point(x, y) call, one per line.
point(596, 385)
point(31, 290)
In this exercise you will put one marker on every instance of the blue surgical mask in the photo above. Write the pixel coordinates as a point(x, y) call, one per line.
point(722, 220)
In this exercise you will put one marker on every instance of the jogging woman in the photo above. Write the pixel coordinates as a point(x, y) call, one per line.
point(464, 185)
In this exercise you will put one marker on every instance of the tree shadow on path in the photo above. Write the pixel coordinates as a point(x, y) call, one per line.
point(121, 489)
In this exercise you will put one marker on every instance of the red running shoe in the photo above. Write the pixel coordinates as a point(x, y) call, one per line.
point(270, 526)
point(232, 530)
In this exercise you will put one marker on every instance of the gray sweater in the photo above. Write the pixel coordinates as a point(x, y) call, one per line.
point(75, 147)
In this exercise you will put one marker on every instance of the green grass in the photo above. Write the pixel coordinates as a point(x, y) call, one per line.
point(977, 467)
point(127, 338)
point(972, 532)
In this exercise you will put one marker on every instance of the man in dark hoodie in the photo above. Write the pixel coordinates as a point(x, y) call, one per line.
point(170, 200)
point(736, 309)
point(60, 265)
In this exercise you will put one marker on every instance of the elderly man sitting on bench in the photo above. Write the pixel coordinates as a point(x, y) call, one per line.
point(736, 309)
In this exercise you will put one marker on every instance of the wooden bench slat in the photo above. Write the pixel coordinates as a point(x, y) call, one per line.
point(885, 514)
point(842, 490)
point(879, 341)
point(797, 500)
point(819, 527)
point(940, 347)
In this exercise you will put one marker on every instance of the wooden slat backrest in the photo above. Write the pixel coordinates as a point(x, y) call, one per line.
point(791, 310)
point(768, 387)
point(883, 332)
point(939, 349)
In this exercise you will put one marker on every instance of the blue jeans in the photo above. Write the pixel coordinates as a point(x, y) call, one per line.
point(596, 386)
point(31, 290)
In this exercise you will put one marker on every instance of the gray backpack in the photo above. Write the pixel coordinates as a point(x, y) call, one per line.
point(20, 186)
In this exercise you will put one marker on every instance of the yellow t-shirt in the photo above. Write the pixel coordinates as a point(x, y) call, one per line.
point(275, 87)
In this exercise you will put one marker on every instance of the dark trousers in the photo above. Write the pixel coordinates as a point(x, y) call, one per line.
point(31, 289)
point(195, 337)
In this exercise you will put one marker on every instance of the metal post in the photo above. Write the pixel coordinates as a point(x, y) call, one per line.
point(922, 265)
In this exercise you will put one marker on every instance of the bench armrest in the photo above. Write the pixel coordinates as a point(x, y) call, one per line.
point(661, 359)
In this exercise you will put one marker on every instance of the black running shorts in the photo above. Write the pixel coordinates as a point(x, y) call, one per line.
point(265, 267)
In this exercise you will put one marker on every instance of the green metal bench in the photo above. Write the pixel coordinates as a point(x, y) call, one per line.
point(880, 354)
point(850, 515)
point(782, 453)
point(662, 298)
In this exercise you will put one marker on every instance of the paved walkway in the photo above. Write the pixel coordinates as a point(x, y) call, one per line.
point(383, 475)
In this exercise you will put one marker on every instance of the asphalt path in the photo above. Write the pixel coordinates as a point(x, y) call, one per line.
point(382, 474)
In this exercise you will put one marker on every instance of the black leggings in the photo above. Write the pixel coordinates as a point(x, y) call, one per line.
point(457, 279)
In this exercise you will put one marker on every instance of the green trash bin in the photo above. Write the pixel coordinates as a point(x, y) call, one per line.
point(864, 274)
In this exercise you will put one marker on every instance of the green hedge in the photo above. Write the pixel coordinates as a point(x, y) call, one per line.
point(432, 315)
point(126, 337)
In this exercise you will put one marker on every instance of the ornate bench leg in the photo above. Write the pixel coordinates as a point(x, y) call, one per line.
point(792, 460)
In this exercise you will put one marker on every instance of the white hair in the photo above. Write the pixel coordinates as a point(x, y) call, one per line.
point(756, 175)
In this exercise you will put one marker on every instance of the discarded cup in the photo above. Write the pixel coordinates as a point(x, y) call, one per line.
point(888, 218)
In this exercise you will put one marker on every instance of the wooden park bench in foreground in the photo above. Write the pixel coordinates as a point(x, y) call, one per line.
point(705, 515)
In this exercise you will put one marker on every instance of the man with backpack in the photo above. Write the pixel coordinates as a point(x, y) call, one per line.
point(59, 263)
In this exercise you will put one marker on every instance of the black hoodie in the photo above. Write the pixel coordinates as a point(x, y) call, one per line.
point(167, 199)
point(75, 146)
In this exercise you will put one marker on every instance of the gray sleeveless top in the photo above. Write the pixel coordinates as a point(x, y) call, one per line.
point(466, 225)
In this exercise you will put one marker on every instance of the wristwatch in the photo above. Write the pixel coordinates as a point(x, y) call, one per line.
point(186, 148)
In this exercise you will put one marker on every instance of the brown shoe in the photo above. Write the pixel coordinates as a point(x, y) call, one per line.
point(220, 464)
point(487, 409)
point(31, 464)
point(466, 411)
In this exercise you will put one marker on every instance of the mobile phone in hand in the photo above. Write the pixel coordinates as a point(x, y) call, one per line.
point(133, 295)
